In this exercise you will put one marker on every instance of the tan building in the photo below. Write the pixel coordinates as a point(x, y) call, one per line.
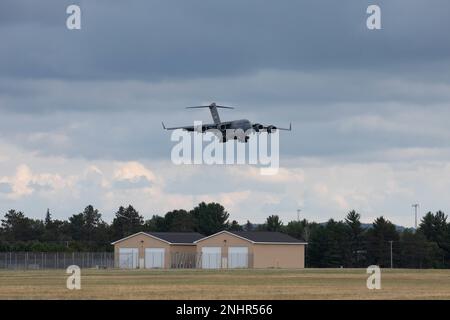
point(156, 250)
point(225, 249)
point(251, 249)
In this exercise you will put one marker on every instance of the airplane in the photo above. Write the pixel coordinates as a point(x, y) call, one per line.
point(223, 126)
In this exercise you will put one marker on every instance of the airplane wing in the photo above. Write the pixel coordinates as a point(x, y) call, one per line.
point(286, 129)
point(271, 127)
point(191, 128)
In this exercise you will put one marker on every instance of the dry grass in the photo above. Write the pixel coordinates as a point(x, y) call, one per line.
point(229, 284)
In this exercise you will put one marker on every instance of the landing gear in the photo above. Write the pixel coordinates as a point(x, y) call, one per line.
point(239, 138)
point(242, 139)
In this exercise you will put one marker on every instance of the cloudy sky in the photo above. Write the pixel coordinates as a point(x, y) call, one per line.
point(81, 110)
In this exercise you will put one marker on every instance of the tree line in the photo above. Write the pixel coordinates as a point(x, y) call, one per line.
point(87, 231)
point(346, 243)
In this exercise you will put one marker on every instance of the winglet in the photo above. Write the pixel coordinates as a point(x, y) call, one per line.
point(286, 129)
point(164, 127)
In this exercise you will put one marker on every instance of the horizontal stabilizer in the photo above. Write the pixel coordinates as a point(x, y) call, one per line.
point(196, 107)
point(213, 109)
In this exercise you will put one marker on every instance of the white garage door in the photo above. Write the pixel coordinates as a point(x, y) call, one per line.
point(237, 257)
point(128, 258)
point(154, 258)
point(211, 257)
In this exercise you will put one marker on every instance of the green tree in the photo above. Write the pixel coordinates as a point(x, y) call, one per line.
point(17, 227)
point(435, 228)
point(89, 230)
point(318, 244)
point(273, 223)
point(379, 237)
point(48, 218)
point(338, 251)
point(155, 224)
point(92, 222)
point(54, 229)
point(248, 226)
point(76, 227)
point(298, 229)
point(210, 218)
point(355, 238)
point(234, 226)
point(417, 252)
point(179, 221)
point(126, 222)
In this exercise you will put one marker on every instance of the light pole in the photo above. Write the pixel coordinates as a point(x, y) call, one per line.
point(392, 261)
point(415, 206)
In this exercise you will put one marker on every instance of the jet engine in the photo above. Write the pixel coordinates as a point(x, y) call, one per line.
point(257, 127)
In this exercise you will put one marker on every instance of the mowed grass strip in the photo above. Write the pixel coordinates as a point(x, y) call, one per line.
point(226, 284)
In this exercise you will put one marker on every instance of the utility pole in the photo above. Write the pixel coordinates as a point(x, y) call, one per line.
point(298, 214)
point(392, 261)
point(416, 207)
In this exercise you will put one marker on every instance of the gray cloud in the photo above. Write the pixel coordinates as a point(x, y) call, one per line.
point(333, 114)
point(364, 105)
point(165, 39)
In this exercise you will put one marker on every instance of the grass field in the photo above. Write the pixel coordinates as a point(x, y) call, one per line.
point(226, 284)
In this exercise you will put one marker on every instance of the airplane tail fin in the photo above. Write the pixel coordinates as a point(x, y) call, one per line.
point(213, 109)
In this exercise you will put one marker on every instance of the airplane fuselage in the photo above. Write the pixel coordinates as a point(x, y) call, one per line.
point(242, 124)
point(235, 129)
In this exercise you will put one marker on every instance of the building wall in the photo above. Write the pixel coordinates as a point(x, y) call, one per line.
point(142, 242)
point(261, 255)
point(225, 240)
point(183, 248)
point(279, 256)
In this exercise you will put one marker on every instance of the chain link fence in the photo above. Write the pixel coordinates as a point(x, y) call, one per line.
point(183, 260)
point(55, 260)
point(103, 260)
